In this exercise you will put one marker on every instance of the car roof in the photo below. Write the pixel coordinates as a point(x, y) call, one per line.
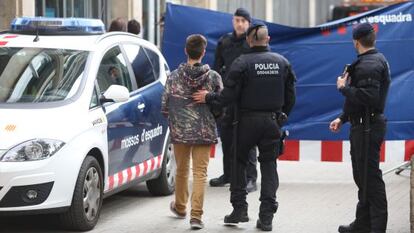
point(72, 42)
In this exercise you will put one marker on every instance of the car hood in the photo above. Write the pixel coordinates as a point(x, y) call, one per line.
point(19, 125)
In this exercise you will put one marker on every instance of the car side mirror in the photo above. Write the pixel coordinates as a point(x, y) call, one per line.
point(115, 93)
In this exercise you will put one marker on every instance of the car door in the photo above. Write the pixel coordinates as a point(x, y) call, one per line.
point(145, 65)
point(123, 128)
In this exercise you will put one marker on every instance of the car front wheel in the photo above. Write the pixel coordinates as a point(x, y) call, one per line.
point(87, 199)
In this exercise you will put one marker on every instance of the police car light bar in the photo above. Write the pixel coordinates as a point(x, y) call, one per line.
point(57, 26)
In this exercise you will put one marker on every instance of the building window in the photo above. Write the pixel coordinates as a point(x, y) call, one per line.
point(70, 8)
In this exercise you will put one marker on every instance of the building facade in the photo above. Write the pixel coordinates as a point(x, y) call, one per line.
point(147, 12)
point(297, 13)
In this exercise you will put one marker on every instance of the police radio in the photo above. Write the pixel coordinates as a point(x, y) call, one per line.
point(346, 69)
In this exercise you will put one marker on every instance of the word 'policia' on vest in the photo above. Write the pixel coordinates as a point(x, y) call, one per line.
point(267, 68)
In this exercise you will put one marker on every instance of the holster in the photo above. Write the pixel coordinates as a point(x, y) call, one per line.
point(285, 134)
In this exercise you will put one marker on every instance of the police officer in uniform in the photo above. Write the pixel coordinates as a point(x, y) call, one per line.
point(261, 83)
point(229, 47)
point(365, 87)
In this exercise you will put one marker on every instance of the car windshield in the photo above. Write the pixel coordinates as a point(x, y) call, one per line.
point(38, 75)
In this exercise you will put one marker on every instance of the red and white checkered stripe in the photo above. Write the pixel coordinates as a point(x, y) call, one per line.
point(5, 39)
point(132, 173)
point(338, 151)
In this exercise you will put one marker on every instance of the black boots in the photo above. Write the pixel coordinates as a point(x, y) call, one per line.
point(353, 228)
point(237, 216)
point(264, 225)
point(219, 181)
point(240, 215)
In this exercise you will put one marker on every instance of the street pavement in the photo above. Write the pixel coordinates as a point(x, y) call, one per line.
point(314, 197)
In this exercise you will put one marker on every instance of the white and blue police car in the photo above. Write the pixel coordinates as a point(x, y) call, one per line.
point(80, 118)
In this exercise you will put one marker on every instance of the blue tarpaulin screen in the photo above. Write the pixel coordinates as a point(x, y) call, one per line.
point(318, 56)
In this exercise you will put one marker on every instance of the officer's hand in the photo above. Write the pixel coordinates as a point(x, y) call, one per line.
point(335, 125)
point(342, 81)
point(200, 96)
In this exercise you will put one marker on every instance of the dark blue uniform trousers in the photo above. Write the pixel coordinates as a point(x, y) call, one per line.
point(262, 131)
point(373, 213)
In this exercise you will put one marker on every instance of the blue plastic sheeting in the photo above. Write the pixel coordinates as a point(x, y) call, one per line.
point(318, 56)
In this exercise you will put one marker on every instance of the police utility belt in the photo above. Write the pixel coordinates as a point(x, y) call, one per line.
point(360, 120)
point(275, 115)
point(256, 113)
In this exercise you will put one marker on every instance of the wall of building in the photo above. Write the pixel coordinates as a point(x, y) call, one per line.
point(297, 13)
point(256, 8)
point(10, 9)
point(129, 9)
point(208, 4)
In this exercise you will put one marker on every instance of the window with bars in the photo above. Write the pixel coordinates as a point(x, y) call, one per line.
point(70, 8)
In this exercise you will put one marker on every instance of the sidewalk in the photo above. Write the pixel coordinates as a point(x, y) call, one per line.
point(317, 197)
point(314, 197)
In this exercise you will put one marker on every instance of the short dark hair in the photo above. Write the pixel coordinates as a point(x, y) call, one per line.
point(134, 27)
point(118, 24)
point(195, 46)
point(368, 41)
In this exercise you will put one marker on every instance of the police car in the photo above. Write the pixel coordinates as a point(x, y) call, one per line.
point(79, 118)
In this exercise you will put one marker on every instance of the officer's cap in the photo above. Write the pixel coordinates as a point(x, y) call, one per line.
point(255, 26)
point(362, 30)
point(243, 13)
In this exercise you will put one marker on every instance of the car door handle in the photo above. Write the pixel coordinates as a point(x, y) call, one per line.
point(141, 106)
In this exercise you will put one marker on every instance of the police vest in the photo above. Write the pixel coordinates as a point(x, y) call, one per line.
point(371, 69)
point(231, 49)
point(264, 82)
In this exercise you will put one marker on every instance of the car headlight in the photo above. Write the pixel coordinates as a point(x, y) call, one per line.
point(32, 150)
